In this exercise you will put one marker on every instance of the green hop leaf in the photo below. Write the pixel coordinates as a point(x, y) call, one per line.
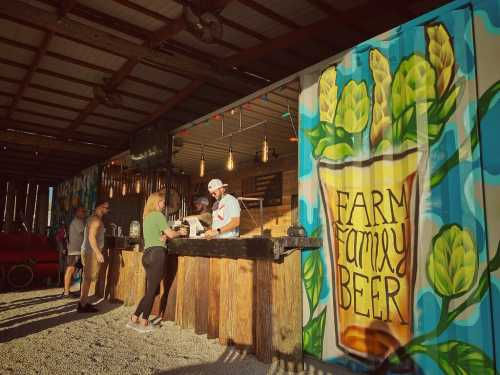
point(340, 151)
point(313, 335)
point(413, 85)
point(313, 279)
point(453, 262)
point(353, 107)
point(458, 358)
point(320, 147)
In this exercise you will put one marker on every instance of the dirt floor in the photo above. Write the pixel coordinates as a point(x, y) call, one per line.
point(42, 334)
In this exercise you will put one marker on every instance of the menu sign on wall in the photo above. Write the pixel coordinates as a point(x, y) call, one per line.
point(268, 187)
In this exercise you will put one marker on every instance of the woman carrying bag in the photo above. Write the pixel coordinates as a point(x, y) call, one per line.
point(156, 232)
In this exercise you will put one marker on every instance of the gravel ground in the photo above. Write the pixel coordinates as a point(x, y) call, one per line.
point(41, 334)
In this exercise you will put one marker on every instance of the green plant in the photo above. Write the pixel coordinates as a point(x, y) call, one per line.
point(451, 271)
point(313, 277)
point(408, 108)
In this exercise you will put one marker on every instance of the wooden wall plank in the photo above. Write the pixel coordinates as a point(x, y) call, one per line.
point(227, 301)
point(171, 287)
point(3, 198)
point(263, 310)
point(180, 290)
point(214, 298)
point(30, 207)
point(10, 206)
point(244, 305)
point(202, 280)
point(189, 307)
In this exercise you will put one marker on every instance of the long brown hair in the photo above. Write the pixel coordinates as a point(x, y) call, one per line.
point(152, 203)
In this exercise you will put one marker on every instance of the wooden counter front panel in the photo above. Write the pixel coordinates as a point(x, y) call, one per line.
point(254, 305)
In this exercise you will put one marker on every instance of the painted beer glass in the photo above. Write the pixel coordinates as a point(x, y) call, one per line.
point(371, 147)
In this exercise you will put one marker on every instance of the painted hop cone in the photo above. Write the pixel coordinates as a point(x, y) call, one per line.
point(453, 262)
point(441, 56)
point(328, 95)
point(413, 87)
point(353, 108)
point(381, 115)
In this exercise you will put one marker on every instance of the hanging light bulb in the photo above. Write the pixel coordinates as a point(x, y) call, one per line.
point(124, 189)
point(138, 186)
point(230, 160)
point(265, 150)
point(202, 165)
point(110, 192)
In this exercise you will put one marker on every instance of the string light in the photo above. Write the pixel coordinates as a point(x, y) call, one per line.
point(202, 164)
point(265, 150)
point(138, 186)
point(230, 157)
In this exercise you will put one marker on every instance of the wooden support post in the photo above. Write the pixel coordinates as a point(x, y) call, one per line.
point(263, 310)
point(188, 309)
point(227, 301)
point(180, 290)
point(43, 208)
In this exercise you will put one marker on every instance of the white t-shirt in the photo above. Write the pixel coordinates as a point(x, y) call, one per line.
point(223, 211)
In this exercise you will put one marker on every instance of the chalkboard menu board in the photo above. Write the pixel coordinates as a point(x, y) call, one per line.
point(269, 187)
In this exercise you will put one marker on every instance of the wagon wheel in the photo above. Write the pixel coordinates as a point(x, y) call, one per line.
point(20, 276)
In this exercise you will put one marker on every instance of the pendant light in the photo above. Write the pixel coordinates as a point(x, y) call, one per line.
point(124, 189)
point(230, 158)
point(138, 185)
point(265, 150)
point(202, 163)
point(111, 192)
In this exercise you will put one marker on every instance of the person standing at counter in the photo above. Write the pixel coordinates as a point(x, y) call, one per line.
point(156, 232)
point(76, 232)
point(92, 258)
point(225, 212)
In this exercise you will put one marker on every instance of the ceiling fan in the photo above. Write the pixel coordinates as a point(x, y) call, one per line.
point(206, 26)
point(106, 95)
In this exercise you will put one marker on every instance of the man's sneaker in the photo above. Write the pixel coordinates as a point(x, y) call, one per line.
point(145, 329)
point(74, 294)
point(64, 296)
point(88, 308)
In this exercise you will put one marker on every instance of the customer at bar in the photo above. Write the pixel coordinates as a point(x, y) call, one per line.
point(225, 212)
point(75, 241)
point(156, 232)
point(201, 211)
point(92, 257)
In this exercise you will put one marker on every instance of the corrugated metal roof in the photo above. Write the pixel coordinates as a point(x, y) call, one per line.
point(170, 9)
point(5, 100)
point(16, 54)
point(62, 84)
point(160, 76)
point(49, 110)
point(40, 120)
point(138, 104)
point(211, 49)
point(146, 91)
point(109, 123)
point(345, 5)
point(55, 98)
point(251, 19)
point(300, 12)
point(11, 72)
point(85, 53)
point(8, 87)
point(72, 70)
point(21, 33)
point(119, 11)
point(117, 112)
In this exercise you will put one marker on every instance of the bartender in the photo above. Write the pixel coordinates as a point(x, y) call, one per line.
point(225, 212)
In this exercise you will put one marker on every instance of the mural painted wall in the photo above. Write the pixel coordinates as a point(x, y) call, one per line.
point(81, 190)
point(400, 176)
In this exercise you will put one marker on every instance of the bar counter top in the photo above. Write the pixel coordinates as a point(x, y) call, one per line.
point(241, 247)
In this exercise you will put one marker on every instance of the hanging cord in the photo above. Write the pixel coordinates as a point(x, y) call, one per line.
point(291, 119)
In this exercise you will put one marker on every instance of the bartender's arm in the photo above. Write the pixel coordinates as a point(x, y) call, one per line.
point(233, 224)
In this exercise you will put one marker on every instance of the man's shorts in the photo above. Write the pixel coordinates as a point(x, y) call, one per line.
point(91, 266)
point(72, 260)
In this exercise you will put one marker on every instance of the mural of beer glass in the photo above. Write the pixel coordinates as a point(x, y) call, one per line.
point(372, 211)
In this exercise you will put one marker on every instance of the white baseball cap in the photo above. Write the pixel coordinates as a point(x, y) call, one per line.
point(215, 184)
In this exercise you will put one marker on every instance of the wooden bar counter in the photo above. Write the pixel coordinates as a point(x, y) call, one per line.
point(245, 291)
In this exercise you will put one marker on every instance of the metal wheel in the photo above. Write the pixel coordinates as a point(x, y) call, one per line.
point(20, 276)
